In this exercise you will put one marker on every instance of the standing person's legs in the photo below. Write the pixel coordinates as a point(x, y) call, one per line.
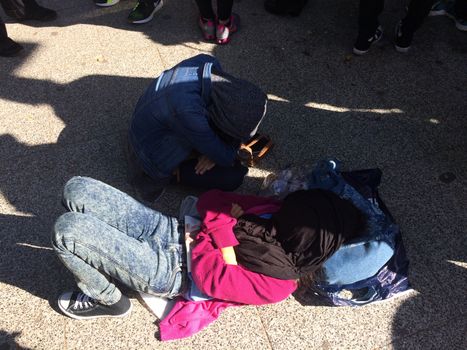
point(417, 12)
point(224, 9)
point(207, 19)
point(7, 46)
point(227, 23)
point(109, 234)
point(405, 29)
point(144, 11)
point(223, 178)
point(460, 9)
point(368, 12)
point(369, 30)
point(460, 14)
point(205, 9)
point(27, 10)
point(147, 188)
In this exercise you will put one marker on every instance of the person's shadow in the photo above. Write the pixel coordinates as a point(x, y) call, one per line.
point(8, 341)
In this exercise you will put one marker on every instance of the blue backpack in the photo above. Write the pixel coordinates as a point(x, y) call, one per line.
point(371, 268)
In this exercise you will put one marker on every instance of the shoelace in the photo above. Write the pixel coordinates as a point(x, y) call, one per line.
point(83, 302)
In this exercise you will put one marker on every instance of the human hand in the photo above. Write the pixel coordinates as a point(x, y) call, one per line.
point(236, 211)
point(204, 164)
point(228, 254)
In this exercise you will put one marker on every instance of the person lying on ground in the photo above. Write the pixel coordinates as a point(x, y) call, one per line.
point(250, 249)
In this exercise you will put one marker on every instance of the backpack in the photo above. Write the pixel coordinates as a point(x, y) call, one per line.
point(371, 268)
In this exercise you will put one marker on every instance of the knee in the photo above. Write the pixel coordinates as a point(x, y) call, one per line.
point(65, 229)
point(75, 191)
point(235, 178)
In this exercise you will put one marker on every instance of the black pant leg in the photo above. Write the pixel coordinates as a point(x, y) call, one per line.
point(3, 32)
point(205, 9)
point(222, 178)
point(460, 9)
point(368, 12)
point(224, 9)
point(13, 8)
point(417, 12)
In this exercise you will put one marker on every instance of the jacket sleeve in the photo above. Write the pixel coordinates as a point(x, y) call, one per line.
point(211, 274)
point(214, 207)
point(195, 128)
point(233, 283)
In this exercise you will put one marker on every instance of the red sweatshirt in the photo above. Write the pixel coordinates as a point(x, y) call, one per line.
point(228, 284)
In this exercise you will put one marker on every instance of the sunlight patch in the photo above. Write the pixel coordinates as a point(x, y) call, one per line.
point(277, 98)
point(33, 246)
point(331, 108)
point(31, 126)
point(459, 263)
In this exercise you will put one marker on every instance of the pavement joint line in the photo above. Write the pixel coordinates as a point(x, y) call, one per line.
point(264, 328)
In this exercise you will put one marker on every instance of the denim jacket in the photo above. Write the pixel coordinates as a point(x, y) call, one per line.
point(171, 119)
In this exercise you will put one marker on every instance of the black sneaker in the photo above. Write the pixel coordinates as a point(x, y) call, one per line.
point(362, 44)
point(9, 48)
point(403, 40)
point(144, 11)
point(106, 3)
point(81, 307)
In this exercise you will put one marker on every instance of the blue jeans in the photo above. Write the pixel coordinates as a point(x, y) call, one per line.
point(109, 235)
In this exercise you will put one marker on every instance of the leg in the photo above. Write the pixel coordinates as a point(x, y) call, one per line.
point(7, 46)
point(224, 9)
point(94, 251)
point(144, 11)
point(119, 210)
point(223, 178)
point(368, 12)
point(3, 32)
point(148, 189)
point(27, 10)
point(205, 9)
point(417, 12)
point(460, 9)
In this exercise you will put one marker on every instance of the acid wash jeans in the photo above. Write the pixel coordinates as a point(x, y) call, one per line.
point(109, 235)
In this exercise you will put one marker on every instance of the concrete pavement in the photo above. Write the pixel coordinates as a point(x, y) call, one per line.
point(64, 108)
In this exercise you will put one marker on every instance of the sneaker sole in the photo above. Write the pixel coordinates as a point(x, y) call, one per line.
point(401, 49)
point(461, 27)
point(361, 52)
point(150, 17)
point(76, 317)
point(437, 13)
point(108, 5)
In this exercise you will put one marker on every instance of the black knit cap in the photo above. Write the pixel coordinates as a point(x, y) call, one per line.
point(237, 106)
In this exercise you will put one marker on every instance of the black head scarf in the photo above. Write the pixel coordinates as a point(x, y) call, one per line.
point(308, 228)
point(237, 106)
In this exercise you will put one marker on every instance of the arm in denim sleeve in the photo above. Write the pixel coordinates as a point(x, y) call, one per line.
point(195, 127)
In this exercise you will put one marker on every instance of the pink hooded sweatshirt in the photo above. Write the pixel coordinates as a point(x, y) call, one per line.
point(229, 285)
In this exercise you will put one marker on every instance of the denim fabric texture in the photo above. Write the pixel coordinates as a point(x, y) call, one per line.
point(109, 235)
point(171, 120)
point(363, 257)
